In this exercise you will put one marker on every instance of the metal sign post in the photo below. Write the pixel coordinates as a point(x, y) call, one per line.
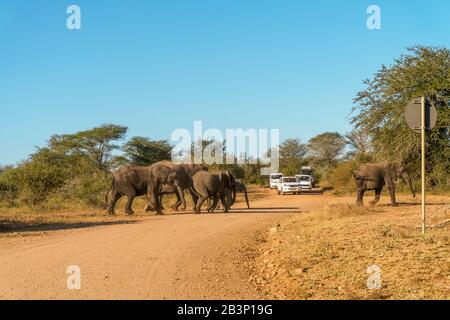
point(421, 117)
point(423, 129)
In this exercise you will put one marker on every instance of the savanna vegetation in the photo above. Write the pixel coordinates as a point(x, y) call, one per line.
point(337, 250)
point(75, 169)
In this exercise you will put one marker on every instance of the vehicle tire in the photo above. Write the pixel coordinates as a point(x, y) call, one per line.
point(282, 193)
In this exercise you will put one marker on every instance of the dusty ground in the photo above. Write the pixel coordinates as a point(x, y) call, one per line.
point(327, 252)
point(321, 249)
point(178, 256)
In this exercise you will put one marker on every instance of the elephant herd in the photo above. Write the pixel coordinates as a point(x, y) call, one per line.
point(165, 177)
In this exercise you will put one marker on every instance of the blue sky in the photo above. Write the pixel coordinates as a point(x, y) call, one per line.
point(159, 65)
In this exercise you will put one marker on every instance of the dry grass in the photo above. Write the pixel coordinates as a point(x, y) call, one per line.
point(325, 254)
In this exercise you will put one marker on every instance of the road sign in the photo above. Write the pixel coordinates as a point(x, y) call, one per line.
point(421, 116)
point(413, 115)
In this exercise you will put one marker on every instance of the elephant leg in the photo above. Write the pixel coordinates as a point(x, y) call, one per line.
point(198, 206)
point(360, 196)
point(177, 204)
point(128, 209)
point(161, 201)
point(181, 199)
point(147, 206)
point(213, 206)
point(377, 196)
point(223, 199)
point(391, 188)
point(392, 194)
point(159, 208)
point(114, 198)
point(194, 198)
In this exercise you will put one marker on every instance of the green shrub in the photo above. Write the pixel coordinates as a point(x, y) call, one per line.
point(341, 178)
point(9, 187)
point(91, 190)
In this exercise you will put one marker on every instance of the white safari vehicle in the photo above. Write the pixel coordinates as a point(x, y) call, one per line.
point(289, 185)
point(305, 181)
point(273, 180)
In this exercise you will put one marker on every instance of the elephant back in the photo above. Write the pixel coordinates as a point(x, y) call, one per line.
point(370, 172)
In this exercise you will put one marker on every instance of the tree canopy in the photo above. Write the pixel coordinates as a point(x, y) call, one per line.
point(96, 144)
point(379, 109)
point(292, 156)
point(325, 148)
point(142, 151)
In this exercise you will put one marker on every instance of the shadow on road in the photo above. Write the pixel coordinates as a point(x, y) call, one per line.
point(267, 210)
point(413, 204)
point(11, 226)
point(238, 210)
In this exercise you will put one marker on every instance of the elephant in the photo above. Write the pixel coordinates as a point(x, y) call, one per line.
point(374, 176)
point(184, 174)
point(206, 185)
point(133, 181)
point(241, 188)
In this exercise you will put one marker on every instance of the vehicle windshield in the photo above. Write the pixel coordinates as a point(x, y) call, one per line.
point(275, 177)
point(304, 178)
point(289, 180)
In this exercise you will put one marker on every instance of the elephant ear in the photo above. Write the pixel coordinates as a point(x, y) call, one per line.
point(391, 170)
point(161, 173)
point(399, 169)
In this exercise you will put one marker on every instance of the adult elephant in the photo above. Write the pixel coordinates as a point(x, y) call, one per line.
point(218, 186)
point(131, 181)
point(184, 174)
point(374, 176)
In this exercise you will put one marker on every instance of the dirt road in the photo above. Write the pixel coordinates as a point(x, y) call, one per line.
point(183, 256)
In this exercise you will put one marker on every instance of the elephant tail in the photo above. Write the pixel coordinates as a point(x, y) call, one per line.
point(193, 191)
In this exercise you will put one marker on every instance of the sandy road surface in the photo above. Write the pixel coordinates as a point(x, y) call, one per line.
point(182, 256)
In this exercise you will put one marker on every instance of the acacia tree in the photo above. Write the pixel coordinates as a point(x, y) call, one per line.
point(142, 151)
point(292, 156)
point(378, 110)
point(325, 149)
point(361, 149)
point(95, 144)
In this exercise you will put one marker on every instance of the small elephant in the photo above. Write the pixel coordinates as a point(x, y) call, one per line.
point(207, 185)
point(374, 176)
point(138, 181)
point(241, 188)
